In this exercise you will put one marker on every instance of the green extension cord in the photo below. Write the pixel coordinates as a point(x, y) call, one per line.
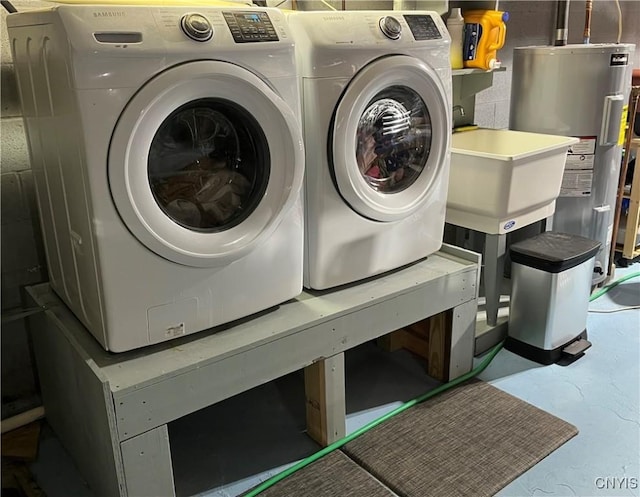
point(432, 393)
point(608, 287)
point(343, 441)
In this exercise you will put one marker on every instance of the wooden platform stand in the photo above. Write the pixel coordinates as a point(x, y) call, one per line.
point(111, 411)
point(429, 339)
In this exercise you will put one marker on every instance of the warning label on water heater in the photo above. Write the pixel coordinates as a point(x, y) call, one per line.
point(582, 161)
point(577, 180)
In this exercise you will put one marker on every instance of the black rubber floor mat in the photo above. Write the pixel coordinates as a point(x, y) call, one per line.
point(470, 441)
point(335, 475)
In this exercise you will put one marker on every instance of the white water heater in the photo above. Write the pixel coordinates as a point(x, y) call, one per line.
point(581, 91)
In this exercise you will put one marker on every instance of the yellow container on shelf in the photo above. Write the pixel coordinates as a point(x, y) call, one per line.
point(485, 32)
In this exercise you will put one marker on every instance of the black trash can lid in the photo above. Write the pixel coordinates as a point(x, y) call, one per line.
point(554, 252)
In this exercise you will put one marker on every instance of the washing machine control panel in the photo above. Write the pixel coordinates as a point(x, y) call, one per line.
point(197, 27)
point(390, 27)
point(250, 26)
point(422, 27)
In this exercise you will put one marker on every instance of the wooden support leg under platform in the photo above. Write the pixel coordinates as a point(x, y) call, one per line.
point(430, 339)
point(325, 399)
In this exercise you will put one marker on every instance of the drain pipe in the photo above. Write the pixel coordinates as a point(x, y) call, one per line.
point(587, 22)
point(22, 419)
point(562, 23)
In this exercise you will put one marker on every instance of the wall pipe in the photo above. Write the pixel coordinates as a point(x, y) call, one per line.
point(562, 23)
point(587, 22)
point(22, 419)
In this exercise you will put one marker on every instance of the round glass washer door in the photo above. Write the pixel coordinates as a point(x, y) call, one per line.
point(394, 139)
point(204, 162)
point(209, 165)
point(390, 137)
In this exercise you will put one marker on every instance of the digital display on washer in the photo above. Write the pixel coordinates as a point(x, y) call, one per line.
point(423, 27)
point(250, 27)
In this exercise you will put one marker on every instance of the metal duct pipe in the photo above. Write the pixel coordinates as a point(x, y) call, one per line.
point(562, 23)
point(587, 22)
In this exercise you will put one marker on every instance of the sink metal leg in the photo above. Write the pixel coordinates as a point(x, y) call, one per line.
point(461, 236)
point(494, 255)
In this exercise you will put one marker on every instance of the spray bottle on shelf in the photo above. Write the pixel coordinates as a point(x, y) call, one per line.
point(484, 33)
point(455, 26)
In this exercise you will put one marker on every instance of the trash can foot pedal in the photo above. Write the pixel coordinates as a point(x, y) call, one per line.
point(577, 348)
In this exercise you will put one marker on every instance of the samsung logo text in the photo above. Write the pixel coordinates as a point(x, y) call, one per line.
point(106, 13)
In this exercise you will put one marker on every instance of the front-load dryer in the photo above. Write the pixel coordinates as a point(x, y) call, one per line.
point(168, 162)
point(376, 93)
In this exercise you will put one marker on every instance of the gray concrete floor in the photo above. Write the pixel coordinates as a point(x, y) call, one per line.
point(230, 447)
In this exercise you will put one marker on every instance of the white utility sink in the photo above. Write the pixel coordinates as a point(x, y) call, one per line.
point(502, 180)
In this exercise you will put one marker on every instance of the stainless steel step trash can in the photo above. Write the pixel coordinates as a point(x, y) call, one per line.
point(551, 276)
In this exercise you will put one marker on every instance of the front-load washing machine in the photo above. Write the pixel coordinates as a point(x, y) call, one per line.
point(376, 93)
point(168, 163)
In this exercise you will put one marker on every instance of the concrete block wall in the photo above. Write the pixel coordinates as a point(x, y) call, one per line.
point(22, 261)
point(439, 6)
point(348, 4)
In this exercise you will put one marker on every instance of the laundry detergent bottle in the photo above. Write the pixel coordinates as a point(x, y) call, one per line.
point(484, 34)
point(455, 26)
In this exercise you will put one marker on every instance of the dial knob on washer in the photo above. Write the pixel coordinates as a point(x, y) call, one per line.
point(390, 27)
point(196, 27)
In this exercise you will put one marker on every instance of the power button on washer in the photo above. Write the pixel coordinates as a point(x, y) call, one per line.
point(390, 27)
point(196, 27)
